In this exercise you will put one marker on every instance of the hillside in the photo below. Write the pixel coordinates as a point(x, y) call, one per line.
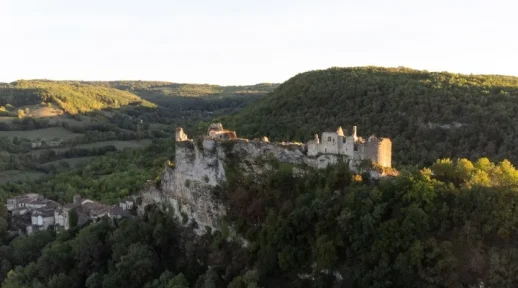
point(427, 115)
point(193, 97)
point(72, 97)
point(49, 126)
point(169, 89)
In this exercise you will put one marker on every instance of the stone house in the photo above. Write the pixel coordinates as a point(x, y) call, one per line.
point(33, 212)
point(86, 210)
point(18, 205)
point(41, 219)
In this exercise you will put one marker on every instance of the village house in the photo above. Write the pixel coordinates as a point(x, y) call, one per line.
point(86, 210)
point(41, 219)
point(17, 205)
point(34, 212)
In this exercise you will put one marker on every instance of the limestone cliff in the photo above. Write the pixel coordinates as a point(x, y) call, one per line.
point(200, 166)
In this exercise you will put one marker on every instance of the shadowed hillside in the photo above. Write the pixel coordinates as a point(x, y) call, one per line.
point(191, 97)
point(427, 115)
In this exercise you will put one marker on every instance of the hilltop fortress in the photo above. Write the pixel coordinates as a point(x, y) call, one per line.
point(201, 164)
point(377, 150)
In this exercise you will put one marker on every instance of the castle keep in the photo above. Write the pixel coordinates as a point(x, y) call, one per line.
point(378, 150)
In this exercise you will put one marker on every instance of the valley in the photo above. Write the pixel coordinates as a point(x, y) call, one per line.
point(47, 126)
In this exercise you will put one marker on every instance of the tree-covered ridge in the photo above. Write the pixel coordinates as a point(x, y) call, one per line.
point(72, 97)
point(187, 90)
point(450, 225)
point(428, 115)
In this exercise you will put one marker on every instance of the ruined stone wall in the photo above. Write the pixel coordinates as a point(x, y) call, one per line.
point(385, 153)
point(379, 151)
point(347, 148)
point(371, 150)
point(329, 143)
point(313, 148)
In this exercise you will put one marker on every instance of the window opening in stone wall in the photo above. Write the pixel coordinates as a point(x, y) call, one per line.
point(329, 138)
point(325, 150)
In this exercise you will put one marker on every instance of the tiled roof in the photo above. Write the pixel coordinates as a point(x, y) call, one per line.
point(44, 212)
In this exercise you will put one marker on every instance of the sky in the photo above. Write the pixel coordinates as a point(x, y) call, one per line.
point(239, 42)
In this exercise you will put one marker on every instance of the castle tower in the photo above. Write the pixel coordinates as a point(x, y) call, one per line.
point(339, 131)
point(317, 140)
point(354, 133)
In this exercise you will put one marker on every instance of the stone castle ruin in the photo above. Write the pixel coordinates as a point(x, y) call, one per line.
point(377, 150)
point(200, 166)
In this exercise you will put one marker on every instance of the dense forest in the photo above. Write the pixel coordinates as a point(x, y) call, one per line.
point(427, 115)
point(450, 225)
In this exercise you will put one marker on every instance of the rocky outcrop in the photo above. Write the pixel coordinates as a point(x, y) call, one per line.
point(200, 167)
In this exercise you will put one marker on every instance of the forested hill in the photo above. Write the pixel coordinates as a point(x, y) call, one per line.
point(427, 115)
point(193, 98)
point(71, 97)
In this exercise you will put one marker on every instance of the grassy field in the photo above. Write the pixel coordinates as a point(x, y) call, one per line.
point(41, 111)
point(17, 175)
point(44, 134)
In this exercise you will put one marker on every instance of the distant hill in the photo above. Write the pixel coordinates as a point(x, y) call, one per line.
point(184, 97)
point(72, 97)
point(188, 90)
point(427, 115)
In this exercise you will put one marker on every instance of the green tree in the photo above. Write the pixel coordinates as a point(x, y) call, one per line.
point(136, 267)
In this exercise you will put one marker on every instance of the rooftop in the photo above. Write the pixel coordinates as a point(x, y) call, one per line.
point(44, 212)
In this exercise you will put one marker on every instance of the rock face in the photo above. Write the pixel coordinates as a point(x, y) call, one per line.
point(200, 166)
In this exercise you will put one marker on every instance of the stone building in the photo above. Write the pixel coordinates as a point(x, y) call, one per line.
point(41, 219)
point(86, 210)
point(378, 150)
point(18, 205)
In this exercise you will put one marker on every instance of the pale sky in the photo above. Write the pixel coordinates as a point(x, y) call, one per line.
point(247, 41)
